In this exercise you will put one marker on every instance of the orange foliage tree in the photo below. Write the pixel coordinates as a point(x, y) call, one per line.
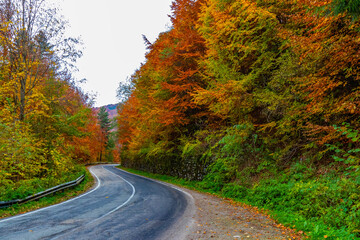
point(278, 73)
point(328, 48)
point(160, 109)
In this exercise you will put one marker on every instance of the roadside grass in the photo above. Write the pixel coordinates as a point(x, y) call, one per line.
point(51, 199)
point(278, 199)
point(198, 186)
point(165, 178)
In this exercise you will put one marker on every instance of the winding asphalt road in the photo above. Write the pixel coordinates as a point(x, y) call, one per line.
point(121, 206)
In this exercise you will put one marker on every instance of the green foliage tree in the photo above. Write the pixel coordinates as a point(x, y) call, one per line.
point(104, 120)
point(352, 7)
point(107, 137)
point(124, 90)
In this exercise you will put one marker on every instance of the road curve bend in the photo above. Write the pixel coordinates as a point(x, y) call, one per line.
point(120, 206)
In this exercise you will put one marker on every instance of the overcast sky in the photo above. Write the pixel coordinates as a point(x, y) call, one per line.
point(112, 34)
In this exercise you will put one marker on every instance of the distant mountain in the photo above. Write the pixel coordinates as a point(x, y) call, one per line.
point(111, 109)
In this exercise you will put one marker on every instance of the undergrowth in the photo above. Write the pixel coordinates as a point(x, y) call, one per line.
point(321, 200)
point(322, 206)
point(319, 207)
point(31, 187)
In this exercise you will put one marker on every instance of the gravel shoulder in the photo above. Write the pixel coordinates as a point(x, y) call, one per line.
point(216, 218)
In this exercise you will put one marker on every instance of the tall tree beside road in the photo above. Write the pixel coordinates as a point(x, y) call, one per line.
point(43, 113)
point(36, 51)
point(160, 109)
point(106, 138)
point(103, 116)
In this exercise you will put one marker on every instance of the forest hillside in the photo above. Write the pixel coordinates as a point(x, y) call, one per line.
point(257, 100)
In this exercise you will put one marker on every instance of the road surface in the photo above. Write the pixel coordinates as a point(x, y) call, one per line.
point(121, 206)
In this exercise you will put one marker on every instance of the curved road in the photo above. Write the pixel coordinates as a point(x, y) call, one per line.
point(121, 206)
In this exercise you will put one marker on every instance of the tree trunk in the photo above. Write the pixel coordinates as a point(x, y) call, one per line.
point(22, 100)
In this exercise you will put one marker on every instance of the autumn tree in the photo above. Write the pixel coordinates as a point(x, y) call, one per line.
point(42, 109)
point(329, 52)
point(163, 89)
point(283, 71)
point(35, 48)
point(245, 92)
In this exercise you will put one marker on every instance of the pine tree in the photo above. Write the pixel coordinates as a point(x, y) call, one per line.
point(103, 117)
point(105, 125)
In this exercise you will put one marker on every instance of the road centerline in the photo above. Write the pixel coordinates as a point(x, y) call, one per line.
point(120, 206)
point(108, 213)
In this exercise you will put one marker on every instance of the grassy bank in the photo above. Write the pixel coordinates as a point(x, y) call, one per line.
point(30, 187)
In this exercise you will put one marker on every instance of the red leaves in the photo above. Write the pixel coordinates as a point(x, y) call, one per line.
point(165, 83)
point(329, 51)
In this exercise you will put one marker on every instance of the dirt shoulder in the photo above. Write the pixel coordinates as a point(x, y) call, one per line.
point(217, 218)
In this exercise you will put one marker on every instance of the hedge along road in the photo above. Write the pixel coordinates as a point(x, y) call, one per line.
point(121, 206)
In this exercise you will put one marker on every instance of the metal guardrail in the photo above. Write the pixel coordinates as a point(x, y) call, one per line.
point(99, 163)
point(44, 193)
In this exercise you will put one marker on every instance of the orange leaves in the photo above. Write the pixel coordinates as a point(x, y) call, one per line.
point(128, 119)
point(316, 3)
point(90, 144)
point(328, 54)
point(285, 67)
point(161, 103)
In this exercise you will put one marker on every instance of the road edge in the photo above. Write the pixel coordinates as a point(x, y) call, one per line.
point(94, 187)
point(182, 227)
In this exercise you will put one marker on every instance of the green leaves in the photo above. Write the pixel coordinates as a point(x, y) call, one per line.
point(349, 155)
point(351, 7)
point(104, 120)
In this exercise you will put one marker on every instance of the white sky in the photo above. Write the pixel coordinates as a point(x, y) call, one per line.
point(111, 31)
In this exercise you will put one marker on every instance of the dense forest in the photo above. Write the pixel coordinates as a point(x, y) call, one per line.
point(258, 100)
point(47, 124)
